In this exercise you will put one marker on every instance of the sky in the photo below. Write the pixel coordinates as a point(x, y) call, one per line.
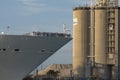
point(35, 15)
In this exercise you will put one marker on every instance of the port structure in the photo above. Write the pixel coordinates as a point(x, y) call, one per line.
point(102, 32)
point(110, 12)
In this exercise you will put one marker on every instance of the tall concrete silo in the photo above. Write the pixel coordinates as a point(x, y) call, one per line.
point(100, 35)
point(101, 40)
point(81, 24)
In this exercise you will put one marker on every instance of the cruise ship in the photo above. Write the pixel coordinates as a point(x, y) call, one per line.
point(21, 54)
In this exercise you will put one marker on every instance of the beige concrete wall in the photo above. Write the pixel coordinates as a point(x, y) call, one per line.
point(80, 40)
point(100, 36)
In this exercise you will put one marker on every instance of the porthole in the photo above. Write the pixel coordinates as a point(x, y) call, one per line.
point(4, 49)
point(17, 50)
point(43, 50)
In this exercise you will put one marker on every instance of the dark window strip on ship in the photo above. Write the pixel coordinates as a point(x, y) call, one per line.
point(17, 50)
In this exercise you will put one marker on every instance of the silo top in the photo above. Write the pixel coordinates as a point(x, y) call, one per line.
point(81, 8)
point(103, 7)
point(88, 8)
point(100, 7)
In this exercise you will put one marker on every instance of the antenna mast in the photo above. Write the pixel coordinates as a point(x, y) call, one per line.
point(64, 28)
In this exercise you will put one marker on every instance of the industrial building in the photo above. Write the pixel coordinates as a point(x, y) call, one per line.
point(56, 72)
point(96, 40)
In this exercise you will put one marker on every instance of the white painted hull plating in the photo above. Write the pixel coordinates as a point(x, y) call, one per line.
point(19, 55)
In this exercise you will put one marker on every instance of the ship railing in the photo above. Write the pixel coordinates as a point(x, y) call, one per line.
point(49, 34)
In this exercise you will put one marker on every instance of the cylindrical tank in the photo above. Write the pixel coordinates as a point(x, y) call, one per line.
point(81, 24)
point(101, 39)
point(100, 35)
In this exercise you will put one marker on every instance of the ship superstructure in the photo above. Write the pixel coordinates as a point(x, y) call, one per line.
point(20, 54)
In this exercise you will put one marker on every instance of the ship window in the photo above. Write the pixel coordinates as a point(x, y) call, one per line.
point(43, 50)
point(4, 49)
point(17, 50)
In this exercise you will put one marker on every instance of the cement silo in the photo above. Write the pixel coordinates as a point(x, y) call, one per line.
point(101, 40)
point(100, 35)
point(81, 24)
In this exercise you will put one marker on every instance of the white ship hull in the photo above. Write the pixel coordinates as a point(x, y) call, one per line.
point(20, 54)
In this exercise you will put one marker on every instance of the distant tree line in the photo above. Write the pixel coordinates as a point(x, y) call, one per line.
point(52, 73)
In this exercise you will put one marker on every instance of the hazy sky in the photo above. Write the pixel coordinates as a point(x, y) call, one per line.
point(38, 15)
